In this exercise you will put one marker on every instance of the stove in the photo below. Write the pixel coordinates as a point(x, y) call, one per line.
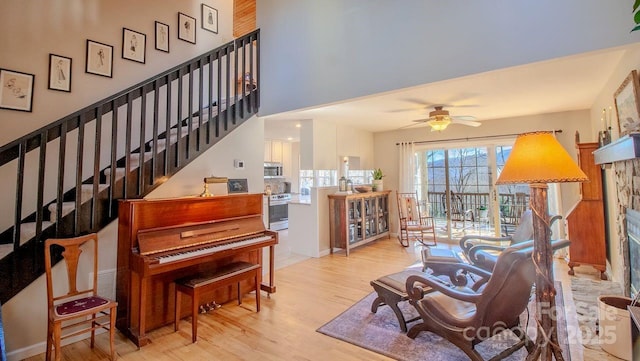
point(279, 211)
point(280, 197)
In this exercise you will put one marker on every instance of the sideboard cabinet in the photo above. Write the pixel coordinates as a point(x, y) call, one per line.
point(357, 219)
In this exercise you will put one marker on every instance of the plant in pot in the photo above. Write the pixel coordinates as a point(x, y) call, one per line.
point(377, 180)
point(482, 211)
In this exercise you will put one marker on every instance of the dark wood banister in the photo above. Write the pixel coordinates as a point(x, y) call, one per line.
point(225, 88)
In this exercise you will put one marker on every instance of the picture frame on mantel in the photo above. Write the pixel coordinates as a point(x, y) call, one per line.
point(628, 105)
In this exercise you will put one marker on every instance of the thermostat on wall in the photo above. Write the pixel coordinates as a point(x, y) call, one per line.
point(238, 164)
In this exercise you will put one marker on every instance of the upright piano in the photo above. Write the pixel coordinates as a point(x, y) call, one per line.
point(162, 240)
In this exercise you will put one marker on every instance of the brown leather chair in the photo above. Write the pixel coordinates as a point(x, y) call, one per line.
point(483, 251)
point(467, 316)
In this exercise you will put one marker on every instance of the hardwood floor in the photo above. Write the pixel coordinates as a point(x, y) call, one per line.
point(309, 293)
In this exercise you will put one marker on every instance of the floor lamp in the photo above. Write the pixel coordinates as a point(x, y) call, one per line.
point(537, 159)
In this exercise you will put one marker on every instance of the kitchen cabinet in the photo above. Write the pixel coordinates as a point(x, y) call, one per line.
point(585, 222)
point(357, 219)
point(277, 151)
point(267, 151)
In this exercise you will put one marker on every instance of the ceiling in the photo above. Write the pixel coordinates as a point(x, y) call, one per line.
point(563, 84)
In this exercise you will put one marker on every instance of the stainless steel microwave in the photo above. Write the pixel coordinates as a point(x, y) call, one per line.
point(272, 169)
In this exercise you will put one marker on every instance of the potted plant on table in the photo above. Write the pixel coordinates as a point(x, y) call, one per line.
point(377, 180)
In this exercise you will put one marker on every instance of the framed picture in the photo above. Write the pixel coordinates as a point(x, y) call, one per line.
point(59, 73)
point(209, 18)
point(134, 45)
point(628, 105)
point(238, 186)
point(162, 37)
point(186, 28)
point(16, 92)
point(99, 58)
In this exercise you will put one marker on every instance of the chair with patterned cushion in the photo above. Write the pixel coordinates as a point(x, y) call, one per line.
point(414, 225)
point(74, 311)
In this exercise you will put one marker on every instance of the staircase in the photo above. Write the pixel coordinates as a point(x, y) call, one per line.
point(70, 174)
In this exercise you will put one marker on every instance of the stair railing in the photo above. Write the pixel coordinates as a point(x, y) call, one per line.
point(70, 173)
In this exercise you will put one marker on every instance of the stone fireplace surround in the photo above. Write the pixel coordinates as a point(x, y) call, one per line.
point(624, 155)
point(627, 176)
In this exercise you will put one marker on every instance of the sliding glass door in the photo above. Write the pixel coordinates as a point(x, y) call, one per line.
point(457, 187)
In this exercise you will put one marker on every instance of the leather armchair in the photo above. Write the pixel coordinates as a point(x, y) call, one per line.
point(467, 316)
point(483, 251)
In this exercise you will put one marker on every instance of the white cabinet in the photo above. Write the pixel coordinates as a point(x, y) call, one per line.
point(276, 151)
point(267, 151)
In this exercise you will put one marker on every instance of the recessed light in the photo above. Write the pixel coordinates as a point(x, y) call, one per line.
point(298, 125)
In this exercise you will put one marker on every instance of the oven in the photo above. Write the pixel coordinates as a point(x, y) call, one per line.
point(279, 211)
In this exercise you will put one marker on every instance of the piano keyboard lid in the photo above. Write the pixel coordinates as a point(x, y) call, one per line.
point(168, 239)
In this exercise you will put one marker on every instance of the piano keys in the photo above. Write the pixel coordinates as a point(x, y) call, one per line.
point(162, 240)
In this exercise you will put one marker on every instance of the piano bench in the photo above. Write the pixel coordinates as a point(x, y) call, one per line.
point(226, 275)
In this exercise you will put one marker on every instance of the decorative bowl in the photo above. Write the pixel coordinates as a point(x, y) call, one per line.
point(362, 189)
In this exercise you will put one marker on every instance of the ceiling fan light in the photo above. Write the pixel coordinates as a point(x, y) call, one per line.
point(439, 124)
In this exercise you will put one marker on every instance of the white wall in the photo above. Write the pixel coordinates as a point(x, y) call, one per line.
point(31, 29)
point(322, 143)
point(386, 150)
point(630, 61)
point(331, 50)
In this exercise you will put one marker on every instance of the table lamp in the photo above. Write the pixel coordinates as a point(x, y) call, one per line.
point(537, 159)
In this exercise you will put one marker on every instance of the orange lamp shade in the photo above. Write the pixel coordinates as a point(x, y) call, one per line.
point(538, 157)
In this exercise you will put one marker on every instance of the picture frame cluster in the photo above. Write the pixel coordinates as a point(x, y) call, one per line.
point(17, 88)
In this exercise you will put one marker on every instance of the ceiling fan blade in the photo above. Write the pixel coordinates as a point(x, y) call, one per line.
point(410, 125)
point(421, 120)
point(463, 117)
point(470, 123)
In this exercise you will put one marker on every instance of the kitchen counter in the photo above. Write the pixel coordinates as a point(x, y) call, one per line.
point(309, 222)
point(299, 199)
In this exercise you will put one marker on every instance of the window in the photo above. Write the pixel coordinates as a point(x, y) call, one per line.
point(317, 178)
point(361, 176)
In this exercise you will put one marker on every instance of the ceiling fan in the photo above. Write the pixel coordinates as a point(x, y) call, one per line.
point(439, 119)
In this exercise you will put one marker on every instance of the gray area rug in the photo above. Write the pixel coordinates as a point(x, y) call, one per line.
point(585, 295)
point(379, 332)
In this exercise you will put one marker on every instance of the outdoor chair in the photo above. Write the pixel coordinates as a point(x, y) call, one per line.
point(467, 316)
point(458, 211)
point(414, 225)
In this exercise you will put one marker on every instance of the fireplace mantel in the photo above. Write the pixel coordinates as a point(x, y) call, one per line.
point(627, 147)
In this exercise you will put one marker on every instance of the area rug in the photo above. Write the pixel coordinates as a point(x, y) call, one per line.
point(585, 296)
point(379, 332)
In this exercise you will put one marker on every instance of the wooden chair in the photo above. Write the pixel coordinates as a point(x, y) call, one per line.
point(414, 225)
point(85, 308)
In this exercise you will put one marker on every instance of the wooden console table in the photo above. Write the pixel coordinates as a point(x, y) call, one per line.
point(357, 219)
